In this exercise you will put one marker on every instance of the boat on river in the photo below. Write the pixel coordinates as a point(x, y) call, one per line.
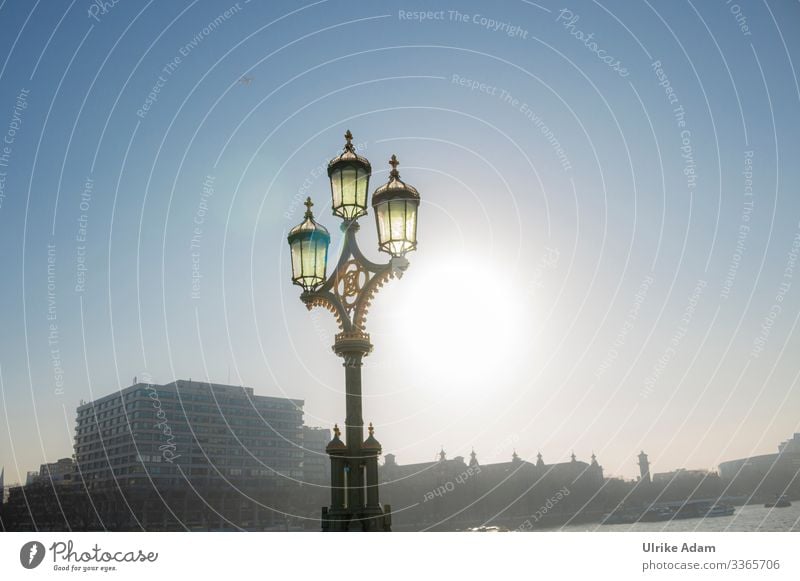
point(781, 501)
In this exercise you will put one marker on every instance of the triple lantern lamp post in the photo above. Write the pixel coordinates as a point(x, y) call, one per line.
point(348, 293)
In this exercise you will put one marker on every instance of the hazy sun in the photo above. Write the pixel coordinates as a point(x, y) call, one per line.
point(463, 323)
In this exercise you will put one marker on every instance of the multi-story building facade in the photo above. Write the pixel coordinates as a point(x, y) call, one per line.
point(763, 477)
point(60, 472)
point(188, 430)
point(189, 455)
point(316, 463)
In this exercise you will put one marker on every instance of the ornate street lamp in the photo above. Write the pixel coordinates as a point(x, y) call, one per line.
point(395, 205)
point(348, 293)
point(349, 174)
point(309, 243)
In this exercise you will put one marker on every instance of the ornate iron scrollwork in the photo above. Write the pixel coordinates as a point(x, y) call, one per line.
point(368, 294)
point(350, 279)
point(349, 291)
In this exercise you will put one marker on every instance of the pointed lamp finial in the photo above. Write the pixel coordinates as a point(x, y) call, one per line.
point(394, 174)
point(308, 203)
point(349, 145)
point(371, 429)
point(336, 431)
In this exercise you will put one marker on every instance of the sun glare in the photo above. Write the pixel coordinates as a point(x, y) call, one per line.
point(464, 323)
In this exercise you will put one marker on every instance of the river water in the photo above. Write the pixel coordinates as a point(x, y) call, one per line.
point(745, 519)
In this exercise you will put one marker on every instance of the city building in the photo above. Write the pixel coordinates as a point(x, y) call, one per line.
point(790, 447)
point(452, 494)
point(58, 473)
point(3, 487)
point(188, 430)
point(186, 455)
point(316, 464)
point(680, 475)
point(189, 455)
point(762, 477)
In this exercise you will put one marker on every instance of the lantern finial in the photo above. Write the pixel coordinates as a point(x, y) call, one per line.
point(308, 203)
point(394, 174)
point(349, 145)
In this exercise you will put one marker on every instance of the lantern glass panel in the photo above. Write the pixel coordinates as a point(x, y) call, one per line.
point(397, 226)
point(349, 175)
point(320, 259)
point(336, 191)
point(382, 219)
point(349, 185)
point(411, 222)
point(297, 262)
point(362, 184)
point(309, 258)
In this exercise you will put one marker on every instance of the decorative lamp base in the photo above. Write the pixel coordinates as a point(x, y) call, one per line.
point(368, 519)
point(352, 343)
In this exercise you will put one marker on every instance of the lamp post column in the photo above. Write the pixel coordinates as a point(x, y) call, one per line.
point(354, 430)
point(352, 347)
point(354, 421)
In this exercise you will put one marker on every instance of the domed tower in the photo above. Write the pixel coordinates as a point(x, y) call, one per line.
point(473, 459)
point(370, 450)
point(596, 469)
point(337, 450)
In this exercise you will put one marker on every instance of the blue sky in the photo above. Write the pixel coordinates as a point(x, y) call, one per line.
point(617, 268)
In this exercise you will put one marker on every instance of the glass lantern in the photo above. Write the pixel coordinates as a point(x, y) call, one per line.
point(309, 243)
point(349, 174)
point(395, 204)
